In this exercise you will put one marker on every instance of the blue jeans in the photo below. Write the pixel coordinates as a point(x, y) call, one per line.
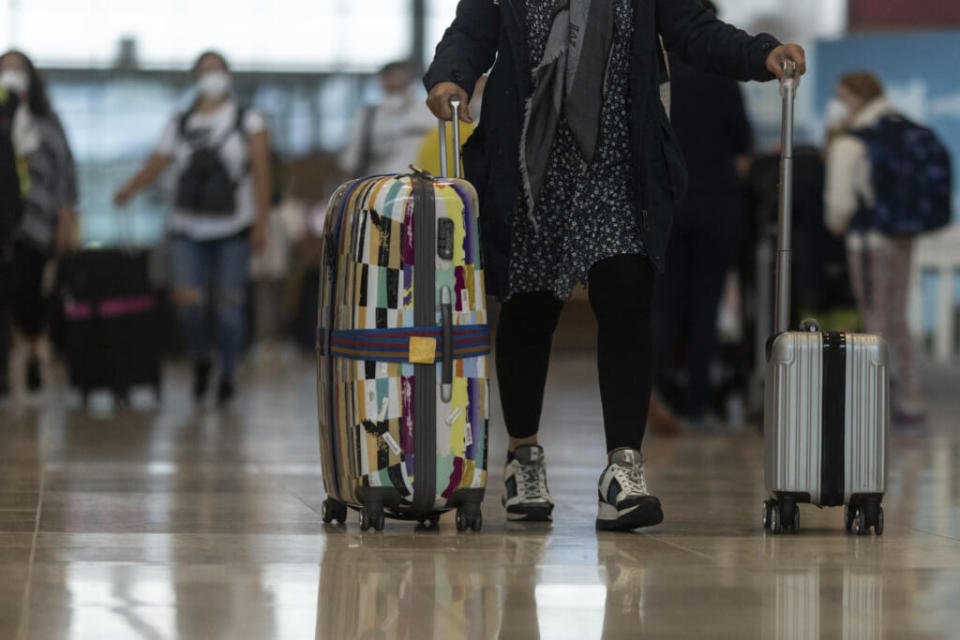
point(220, 268)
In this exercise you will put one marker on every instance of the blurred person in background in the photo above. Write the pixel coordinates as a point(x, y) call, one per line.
point(220, 152)
point(49, 220)
point(880, 263)
point(706, 234)
point(387, 136)
point(11, 208)
point(578, 172)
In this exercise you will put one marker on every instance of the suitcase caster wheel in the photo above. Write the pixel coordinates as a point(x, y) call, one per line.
point(469, 517)
point(766, 508)
point(859, 522)
point(332, 510)
point(878, 525)
point(848, 515)
point(776, 526)
point(371, 517)
point(430, 523)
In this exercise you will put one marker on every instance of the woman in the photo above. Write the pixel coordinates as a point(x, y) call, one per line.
point(879, 263)
point(221, 154)
point(578, 172)
point(48, 213)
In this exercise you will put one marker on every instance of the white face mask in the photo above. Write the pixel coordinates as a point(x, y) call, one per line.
point(214, 84)
point(837, 113)
point(15, 81)
point(476, 107)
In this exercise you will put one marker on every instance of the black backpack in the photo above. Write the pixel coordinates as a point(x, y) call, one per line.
point(206, 186)
point(11, 200)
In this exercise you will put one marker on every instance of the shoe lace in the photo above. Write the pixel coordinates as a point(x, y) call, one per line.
point(533, 481)
point(631, 478)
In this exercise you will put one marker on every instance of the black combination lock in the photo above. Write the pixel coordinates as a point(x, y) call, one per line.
point(445, 238)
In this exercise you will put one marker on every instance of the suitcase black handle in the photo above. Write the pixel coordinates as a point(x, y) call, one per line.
point(788, 90)
point(455, 106)
point(446, 313)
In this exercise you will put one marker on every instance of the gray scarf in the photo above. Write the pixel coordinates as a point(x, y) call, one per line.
point(569, 81)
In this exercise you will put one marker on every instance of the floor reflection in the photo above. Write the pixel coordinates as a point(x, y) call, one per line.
point(375, 586)
point(178, 524)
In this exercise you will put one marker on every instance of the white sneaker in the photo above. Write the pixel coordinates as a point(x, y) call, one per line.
point(625, 503)
point(525, 479)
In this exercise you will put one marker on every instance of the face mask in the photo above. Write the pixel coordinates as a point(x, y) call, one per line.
point(837, 114)
point(476, 107)
point(15, 81)
point(214, 84)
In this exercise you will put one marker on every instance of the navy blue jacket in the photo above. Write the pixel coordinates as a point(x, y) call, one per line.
point(485, 31)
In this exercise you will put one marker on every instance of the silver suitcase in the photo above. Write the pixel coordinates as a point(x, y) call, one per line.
point(826, 400)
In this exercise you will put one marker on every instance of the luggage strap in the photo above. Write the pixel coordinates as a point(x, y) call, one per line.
point(420, 345)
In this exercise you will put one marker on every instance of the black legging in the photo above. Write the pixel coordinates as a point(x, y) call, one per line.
point(621, 292)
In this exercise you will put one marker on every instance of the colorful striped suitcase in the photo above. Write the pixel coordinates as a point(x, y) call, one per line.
point(403, 344)
point(826, 401)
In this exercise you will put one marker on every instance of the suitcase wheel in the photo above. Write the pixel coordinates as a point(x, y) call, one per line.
point(432, 522)
point(469, 517)
point(371, 516)
point(780, 516)
point(859, 519)
point(332, 510)
point(766, 511)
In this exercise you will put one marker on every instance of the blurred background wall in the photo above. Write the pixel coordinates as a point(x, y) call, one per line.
point(117, 70)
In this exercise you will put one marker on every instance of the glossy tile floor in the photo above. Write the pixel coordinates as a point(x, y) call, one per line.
point(176, 524)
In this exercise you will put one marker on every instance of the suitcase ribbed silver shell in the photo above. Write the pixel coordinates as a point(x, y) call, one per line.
point(826, 399)
point(793, 415)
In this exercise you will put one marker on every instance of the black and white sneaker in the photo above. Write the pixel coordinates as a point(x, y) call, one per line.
point(625, 503)
point(525, 477)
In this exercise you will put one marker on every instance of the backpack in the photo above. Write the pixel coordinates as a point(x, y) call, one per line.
point(912, 178)
point(206, 186)
point(11, 200)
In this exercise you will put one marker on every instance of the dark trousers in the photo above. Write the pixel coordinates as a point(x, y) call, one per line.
point(29, 310)
point(621, 294)
point(687, 300)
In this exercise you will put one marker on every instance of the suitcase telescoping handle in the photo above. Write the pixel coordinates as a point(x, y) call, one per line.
point(788, 91)
point(455, 107)
point(446, 298)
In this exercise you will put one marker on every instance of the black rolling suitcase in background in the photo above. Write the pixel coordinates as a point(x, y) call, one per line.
point(110, 327)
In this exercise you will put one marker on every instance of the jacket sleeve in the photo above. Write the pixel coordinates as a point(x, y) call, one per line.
point(468, 47)
point(699, 38)
point(847, 183)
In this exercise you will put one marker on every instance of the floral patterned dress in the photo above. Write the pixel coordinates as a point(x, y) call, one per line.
point(585, 212)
